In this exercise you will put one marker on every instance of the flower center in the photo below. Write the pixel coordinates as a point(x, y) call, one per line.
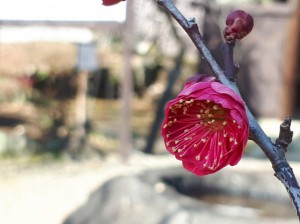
point(199, 112)
point(212, 115)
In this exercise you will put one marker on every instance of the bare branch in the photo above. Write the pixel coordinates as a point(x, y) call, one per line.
point(286, 175)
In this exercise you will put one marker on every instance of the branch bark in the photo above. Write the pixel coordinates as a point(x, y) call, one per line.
point(274, 152)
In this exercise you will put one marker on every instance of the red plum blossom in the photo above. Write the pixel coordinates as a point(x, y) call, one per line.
point(111, 2)
point(206, 126)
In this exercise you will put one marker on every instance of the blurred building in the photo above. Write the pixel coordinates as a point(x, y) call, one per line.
point(40, 47)
point(269, 76)
point(269, 56)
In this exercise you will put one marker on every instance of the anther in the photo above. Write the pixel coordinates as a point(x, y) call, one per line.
point(184, 110)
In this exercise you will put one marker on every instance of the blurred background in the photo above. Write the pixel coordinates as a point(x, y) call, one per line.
point(82, 95)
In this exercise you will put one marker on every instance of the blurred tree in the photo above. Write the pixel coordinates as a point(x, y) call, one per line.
point(167, 95)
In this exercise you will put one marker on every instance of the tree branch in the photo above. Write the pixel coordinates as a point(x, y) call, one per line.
point(274, 152)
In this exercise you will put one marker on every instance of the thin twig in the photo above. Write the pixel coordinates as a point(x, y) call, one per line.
point(231, 69)
point(285, 134)
point(275, 152)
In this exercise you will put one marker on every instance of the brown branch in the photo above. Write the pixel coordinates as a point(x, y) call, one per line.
point(274, 152)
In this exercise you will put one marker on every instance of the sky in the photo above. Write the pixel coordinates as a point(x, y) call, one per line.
point(61, 10)
point(55, 10)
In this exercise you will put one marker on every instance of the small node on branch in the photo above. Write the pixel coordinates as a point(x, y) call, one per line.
point(238, 25)
point(192, 20)
point(285, 134)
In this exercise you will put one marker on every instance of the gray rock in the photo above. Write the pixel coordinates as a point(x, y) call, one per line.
point(161, 197)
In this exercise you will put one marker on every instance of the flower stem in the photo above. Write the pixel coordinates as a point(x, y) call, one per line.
point(231, 69)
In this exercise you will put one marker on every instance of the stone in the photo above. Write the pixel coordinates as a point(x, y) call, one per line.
point(164, 197)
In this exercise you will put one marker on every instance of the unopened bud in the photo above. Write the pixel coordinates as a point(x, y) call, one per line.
point(238, 25)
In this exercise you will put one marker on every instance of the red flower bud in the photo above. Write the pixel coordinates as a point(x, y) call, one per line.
point(111, 2)
point(206, 126)
point(238, 25)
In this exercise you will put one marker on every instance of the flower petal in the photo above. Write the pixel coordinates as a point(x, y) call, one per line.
point(206, 127)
